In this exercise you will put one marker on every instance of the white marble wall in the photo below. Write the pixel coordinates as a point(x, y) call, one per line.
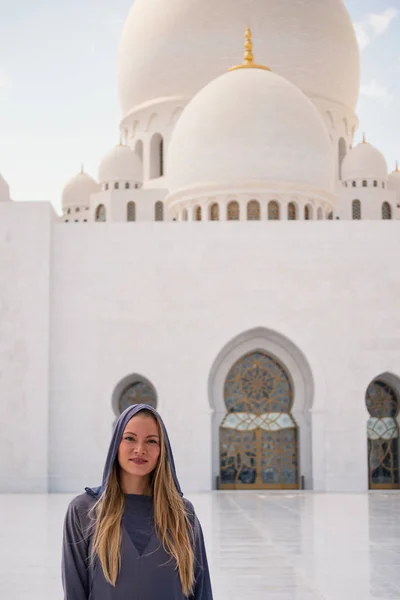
point(25, 248)
point(165, 301)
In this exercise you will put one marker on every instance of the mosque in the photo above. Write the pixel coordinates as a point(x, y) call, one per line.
point(234, 264)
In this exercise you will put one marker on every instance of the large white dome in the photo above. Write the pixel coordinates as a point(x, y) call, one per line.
point(251, 125)
point(364, 161)
point(175, 47)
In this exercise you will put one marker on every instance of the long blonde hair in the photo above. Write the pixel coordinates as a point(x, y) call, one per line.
point(172, 524)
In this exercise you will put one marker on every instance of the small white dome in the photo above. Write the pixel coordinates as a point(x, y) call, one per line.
point(250, 125)
point(364, 162)
point(78, 190)
point(4, 190)
point(394, 180)
point(120, 164)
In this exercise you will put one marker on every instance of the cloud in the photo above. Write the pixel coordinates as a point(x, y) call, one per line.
point(373, 25)
point(376, 90)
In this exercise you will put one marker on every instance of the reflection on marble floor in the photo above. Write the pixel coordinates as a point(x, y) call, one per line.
point(261, 546)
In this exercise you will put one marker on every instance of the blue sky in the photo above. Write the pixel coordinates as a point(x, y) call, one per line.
point(58, 87)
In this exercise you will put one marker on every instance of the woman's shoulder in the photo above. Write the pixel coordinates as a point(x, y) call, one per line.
point(81, 505)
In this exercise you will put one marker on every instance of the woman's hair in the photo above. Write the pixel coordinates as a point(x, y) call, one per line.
point(170, 517)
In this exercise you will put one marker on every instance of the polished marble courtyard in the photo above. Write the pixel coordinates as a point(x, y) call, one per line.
point(261, 546)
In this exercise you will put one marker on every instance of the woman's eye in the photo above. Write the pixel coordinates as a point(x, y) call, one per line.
point(153, 441)
point(128, 438)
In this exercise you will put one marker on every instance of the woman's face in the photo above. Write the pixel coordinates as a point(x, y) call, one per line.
point(139, 449)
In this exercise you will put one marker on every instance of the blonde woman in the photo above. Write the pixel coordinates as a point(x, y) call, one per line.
point(135, 537)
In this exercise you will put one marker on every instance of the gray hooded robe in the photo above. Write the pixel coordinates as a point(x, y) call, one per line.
point(151, 575)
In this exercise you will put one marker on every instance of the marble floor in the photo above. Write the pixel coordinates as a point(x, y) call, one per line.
point(261, 546)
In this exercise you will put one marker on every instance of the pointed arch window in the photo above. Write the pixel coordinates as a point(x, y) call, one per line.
point(307, 213)
point(197, 213)
point(354, 184)
point(356, 210)
point(292, 212)
point(159, 211)
point(100, 214)
point(386, 211)
point(131, 211)
point(214, 212)
point(253, 210)
point(233, 211)
point(365, 183)
point(273, 211)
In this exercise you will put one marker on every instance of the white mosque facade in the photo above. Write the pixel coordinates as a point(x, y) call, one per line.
point(234, 264)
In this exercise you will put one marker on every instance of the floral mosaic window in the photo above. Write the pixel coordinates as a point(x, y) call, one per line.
point(137, 393)
point(258, 436)
point(383, 436)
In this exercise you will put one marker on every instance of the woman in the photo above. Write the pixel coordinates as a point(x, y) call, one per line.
point(135, 537)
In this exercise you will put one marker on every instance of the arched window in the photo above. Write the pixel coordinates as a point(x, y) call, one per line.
point(127, 185)
point(131, 211)
point(375, 183)
point(139, 153)
point(161, 151)
point(320, 214)
point(100, 213)
point(197, 213)
point(292, 212)
point(330, 216)
point(342, 154)
point(156, 156)
point(106, 186)
point(214, 212)
point(139, 392)
point(356, 209)
point(233, 211)
point(116, 185)
point(184, 215)
point(253, 211)
point(354, 184)
point(159, 211)
point(365, 183)
point(77, 210)
point(273, 211)
point(307, 212)
point(258, 389)
point(383, 435)
point(345, 184)
point(386, 211)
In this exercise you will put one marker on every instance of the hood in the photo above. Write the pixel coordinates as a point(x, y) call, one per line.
point(119, 429)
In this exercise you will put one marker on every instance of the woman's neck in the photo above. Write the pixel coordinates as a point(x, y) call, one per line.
point(135, 485)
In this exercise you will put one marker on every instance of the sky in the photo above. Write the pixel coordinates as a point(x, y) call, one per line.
point(59, 98)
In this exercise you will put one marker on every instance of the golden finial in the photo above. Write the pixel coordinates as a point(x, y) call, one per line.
point(248, 55)
point(364, 140)
point(397, 170)
point(82, 169)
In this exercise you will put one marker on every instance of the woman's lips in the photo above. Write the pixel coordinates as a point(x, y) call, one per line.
point(138, 461)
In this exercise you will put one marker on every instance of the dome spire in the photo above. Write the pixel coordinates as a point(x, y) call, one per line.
point(364, 140)
point(248, 55)
point(397, 170)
